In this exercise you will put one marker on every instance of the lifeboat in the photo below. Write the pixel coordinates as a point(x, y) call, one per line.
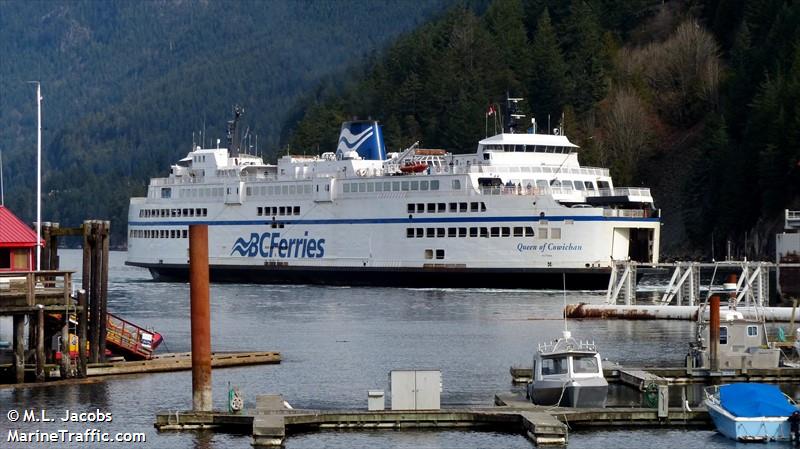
point(414, 167)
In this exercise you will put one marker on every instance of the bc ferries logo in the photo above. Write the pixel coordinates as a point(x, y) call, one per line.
point(271, 245)
point(350, 142)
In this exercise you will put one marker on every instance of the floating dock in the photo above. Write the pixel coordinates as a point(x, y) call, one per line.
point(271, 422)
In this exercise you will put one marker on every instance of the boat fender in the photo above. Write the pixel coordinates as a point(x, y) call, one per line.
point(361, 172)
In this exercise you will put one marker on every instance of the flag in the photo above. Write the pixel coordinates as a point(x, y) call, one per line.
point(491, 110)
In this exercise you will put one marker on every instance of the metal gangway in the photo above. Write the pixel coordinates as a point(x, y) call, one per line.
point(684, 287)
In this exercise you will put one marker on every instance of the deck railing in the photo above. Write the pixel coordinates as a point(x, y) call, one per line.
point(31, 288)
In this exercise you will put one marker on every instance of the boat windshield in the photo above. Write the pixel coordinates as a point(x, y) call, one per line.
point(554, 365)
point(585, 364)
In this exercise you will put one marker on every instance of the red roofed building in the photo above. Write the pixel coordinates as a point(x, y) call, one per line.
point(17, 243)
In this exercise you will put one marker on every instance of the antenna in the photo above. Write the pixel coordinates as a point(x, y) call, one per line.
point(564, 281)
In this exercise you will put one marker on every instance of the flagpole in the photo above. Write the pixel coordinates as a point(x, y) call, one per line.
point(38, 174)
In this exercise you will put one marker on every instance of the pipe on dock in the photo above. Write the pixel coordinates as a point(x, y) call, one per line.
point(713, 333)
point(201, 317)
point(670, 312)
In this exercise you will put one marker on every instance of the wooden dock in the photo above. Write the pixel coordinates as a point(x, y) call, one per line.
point(271, 422)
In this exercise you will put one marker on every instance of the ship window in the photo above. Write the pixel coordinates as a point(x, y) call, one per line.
point(296, 210)
point(484, 232)
point(462, 207)
point(473, 232)
point(423, 185)
point(462, 232)
point(395, 186)
point(327, 188)
point(555, 233)
point(518, 231)
point(554, 365)
point(387, 186)
point(430, 232)
point(456, 184)
point(410, 233)
point(346, 188)
point(452, 232)
point(414, 185)
point(281, 210)
point(274, 210)
point(379, 187)
point(260, 211)
point(752, 331)
point(429, 254)
point(270, 190)
point(723, 335)
point(420, 233)
point(555, 183)
point(307, 189)
point(166, 192)
point(249, 191)
point(473, 207)
point(292, 189)
point(579, 185)
point(483, 206)
point(439, 232)
point(495, 232)
point(205, 212)
point(542, 233)
point(172, 233)
point(431, 207)
point(585, 364)
point(362, 187)
point(435, 185)
point(411, 208)
point(602, 184)
point(404, 186)
point(185, 233)
point(440, 254)
point(441, 207)
point(505, 232)
point(284, 190)
point(453, 207)
point(589, 185)
point(186, 212)
point(370, 187)
point(420, 207)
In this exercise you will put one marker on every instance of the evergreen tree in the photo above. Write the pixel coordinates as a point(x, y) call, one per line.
point(505, 20)
point(548, 84)
point(583, 42)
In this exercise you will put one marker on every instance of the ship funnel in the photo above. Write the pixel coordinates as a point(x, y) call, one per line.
point(363, 137)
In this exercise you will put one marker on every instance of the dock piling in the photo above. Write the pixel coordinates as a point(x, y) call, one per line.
point(82, 318)
point(713, 333)
point(19, 348)
point(40, 344)
point(201, 318)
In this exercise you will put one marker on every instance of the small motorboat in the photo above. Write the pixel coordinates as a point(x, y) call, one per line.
point(568, 373)
point(750, 412)
point(414, 167)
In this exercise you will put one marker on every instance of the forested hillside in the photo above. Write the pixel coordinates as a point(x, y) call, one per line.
point(126, 83)
point(698, 100)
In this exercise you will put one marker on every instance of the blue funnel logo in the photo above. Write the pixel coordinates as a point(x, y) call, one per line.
point(363, 137)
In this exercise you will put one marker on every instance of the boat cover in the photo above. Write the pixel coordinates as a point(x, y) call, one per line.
point(754, 400)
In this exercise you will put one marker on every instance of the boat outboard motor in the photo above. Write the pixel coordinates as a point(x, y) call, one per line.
point(363, 137)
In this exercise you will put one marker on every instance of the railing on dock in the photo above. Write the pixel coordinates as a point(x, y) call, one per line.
point(33, 288)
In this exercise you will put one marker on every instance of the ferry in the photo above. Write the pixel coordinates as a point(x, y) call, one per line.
point(519, 211)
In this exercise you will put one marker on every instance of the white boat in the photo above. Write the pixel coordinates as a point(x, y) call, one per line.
point(519, 211)
point(750, 412)
point(568, 373)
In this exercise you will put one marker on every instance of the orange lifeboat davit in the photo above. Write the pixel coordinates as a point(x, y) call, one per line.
point(414, 167)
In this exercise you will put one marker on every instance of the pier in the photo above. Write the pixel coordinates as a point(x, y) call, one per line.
point(271, 422)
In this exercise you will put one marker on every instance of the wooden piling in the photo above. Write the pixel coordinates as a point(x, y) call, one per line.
point(713, 333)
point(65, 367)
point(40, 344)
point(200, 317)
point(19, 348)
point(104, 231)
point(94, 295)
point(82, 318)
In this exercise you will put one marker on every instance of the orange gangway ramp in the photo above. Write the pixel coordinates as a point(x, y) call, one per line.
point(129, 340)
